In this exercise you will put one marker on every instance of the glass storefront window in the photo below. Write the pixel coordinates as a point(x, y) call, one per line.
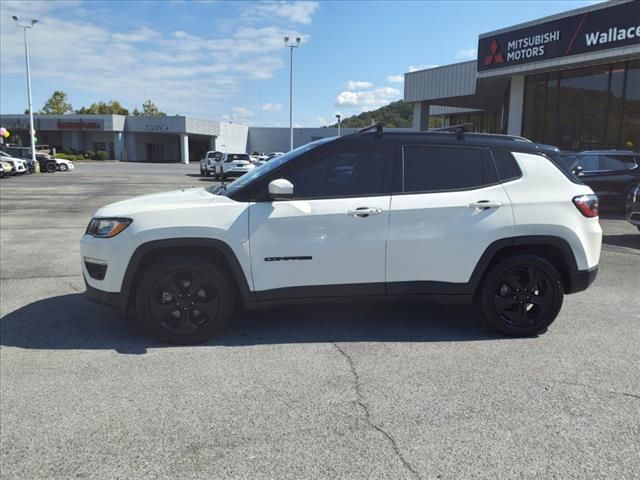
point(585, 109)
point(631, 118)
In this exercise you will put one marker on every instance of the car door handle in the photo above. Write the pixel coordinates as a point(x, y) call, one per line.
point(364, 212)
point(485, 204)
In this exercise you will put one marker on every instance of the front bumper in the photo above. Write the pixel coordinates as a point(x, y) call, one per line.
point(109, 299)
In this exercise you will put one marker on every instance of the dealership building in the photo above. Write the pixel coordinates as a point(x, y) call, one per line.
point(570, 80)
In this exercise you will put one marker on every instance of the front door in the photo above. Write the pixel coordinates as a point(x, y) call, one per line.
point(330, 238)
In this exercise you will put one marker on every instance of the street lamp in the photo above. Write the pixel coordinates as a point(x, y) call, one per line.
point(338, 117)
point(291, 46)
point(24, 27)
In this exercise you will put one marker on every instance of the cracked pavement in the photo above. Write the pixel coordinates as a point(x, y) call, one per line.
point(353, 391)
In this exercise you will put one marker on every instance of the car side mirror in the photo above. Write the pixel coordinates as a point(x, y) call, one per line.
point(280, 189)
point(577, 170)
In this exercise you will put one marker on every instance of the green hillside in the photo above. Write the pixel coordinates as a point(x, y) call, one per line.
point(395, 115)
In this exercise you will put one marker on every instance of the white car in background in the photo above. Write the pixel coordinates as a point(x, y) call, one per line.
point(269, 156)
point(64, 165)
point(19, 165)
point(233, 165)
point(208, 163)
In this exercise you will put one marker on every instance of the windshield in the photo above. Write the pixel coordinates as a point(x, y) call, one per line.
point(266, 168)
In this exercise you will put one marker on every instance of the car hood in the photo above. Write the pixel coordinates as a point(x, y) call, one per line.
point(176, 199)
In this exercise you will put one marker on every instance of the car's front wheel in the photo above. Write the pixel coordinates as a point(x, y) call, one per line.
point(522, 295)
point(63, 167)
point(184, 300)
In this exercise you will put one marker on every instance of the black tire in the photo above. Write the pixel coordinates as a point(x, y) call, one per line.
point(638, 227)
point(201, 172)
point(207, 173)
point(183, 299)
point(521, 295)
point(51, 167)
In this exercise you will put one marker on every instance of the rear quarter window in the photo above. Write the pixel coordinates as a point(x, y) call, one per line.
point(506, 165)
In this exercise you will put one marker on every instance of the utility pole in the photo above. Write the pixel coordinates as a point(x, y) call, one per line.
point(291, 46)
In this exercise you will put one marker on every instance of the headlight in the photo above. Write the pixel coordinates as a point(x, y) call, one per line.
point(107, 227)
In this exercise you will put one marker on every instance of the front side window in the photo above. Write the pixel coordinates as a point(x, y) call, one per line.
point(434, 168)
point(589, 163)
point(348, 172)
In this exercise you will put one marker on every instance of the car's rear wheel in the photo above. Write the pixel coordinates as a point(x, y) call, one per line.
point(50, 167)
point(184, 300)
point(522, 295)
point(201, 172)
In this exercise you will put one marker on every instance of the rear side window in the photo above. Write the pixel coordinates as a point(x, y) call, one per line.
point(616, 162)
point(507, 166)
point(434, 168)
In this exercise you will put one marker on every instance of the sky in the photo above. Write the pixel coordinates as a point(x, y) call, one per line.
point(226, 60)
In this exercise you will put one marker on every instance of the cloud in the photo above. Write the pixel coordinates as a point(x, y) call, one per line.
point(395, 78)
point(182, 72)
point(468, 54)
point(424, 66)
point(143, 34)
point(271, 107)
point(239, 115)
point(321, 121)
point(358, 85)
point(300, 12)
point(367, 99)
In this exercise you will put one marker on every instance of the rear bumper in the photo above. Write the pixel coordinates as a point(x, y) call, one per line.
point(581, 279)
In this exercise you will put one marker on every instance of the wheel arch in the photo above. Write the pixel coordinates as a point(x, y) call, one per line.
point(554, 249)
point(216, 250)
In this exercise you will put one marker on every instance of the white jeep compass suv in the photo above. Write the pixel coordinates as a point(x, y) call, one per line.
point(443, 216)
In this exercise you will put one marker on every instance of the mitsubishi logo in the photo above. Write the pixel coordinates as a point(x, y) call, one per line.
point(495, 57)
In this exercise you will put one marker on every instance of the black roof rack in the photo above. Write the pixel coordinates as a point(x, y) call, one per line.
point(376, 126)
point(459, 129)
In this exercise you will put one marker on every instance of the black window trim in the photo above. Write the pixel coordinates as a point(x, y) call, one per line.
point(277, 173)
point(483, 150)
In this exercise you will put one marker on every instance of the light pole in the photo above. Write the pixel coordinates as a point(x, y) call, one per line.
point(24, 27)
point(291, 46)
point(338, 117)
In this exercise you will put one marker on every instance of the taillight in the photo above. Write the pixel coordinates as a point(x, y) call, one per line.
point(587, 204)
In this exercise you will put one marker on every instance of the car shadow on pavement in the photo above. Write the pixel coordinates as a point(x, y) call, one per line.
point(72, 322)
point(628, 240)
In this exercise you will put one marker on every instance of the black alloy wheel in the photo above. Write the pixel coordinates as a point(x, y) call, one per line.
point(184, 302)
point(184, 299)
point(522, 295)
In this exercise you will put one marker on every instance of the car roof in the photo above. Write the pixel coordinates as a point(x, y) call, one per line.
point(509, 142)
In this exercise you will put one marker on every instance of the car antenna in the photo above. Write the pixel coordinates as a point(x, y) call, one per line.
point(459, 129)
point(376, 126)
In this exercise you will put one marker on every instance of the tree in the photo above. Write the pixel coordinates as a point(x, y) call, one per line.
point(57, 104)
point(136, 112)
point(149, 109)
point(113, 107)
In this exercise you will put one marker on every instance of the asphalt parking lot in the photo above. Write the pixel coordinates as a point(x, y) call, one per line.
point(330, 391)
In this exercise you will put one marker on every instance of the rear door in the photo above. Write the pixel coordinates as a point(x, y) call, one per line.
point(450, 208)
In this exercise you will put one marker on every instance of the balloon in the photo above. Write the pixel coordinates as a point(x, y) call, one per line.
point(6, 134)
point(3, 131)
point(35, 139)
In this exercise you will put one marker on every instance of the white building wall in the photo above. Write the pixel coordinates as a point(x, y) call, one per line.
point(232, 138)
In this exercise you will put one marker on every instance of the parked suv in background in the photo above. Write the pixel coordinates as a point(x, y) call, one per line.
point(612, 174)
point(633, 206)
point(208, 163)
point(442, 216)
point(233, 165)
